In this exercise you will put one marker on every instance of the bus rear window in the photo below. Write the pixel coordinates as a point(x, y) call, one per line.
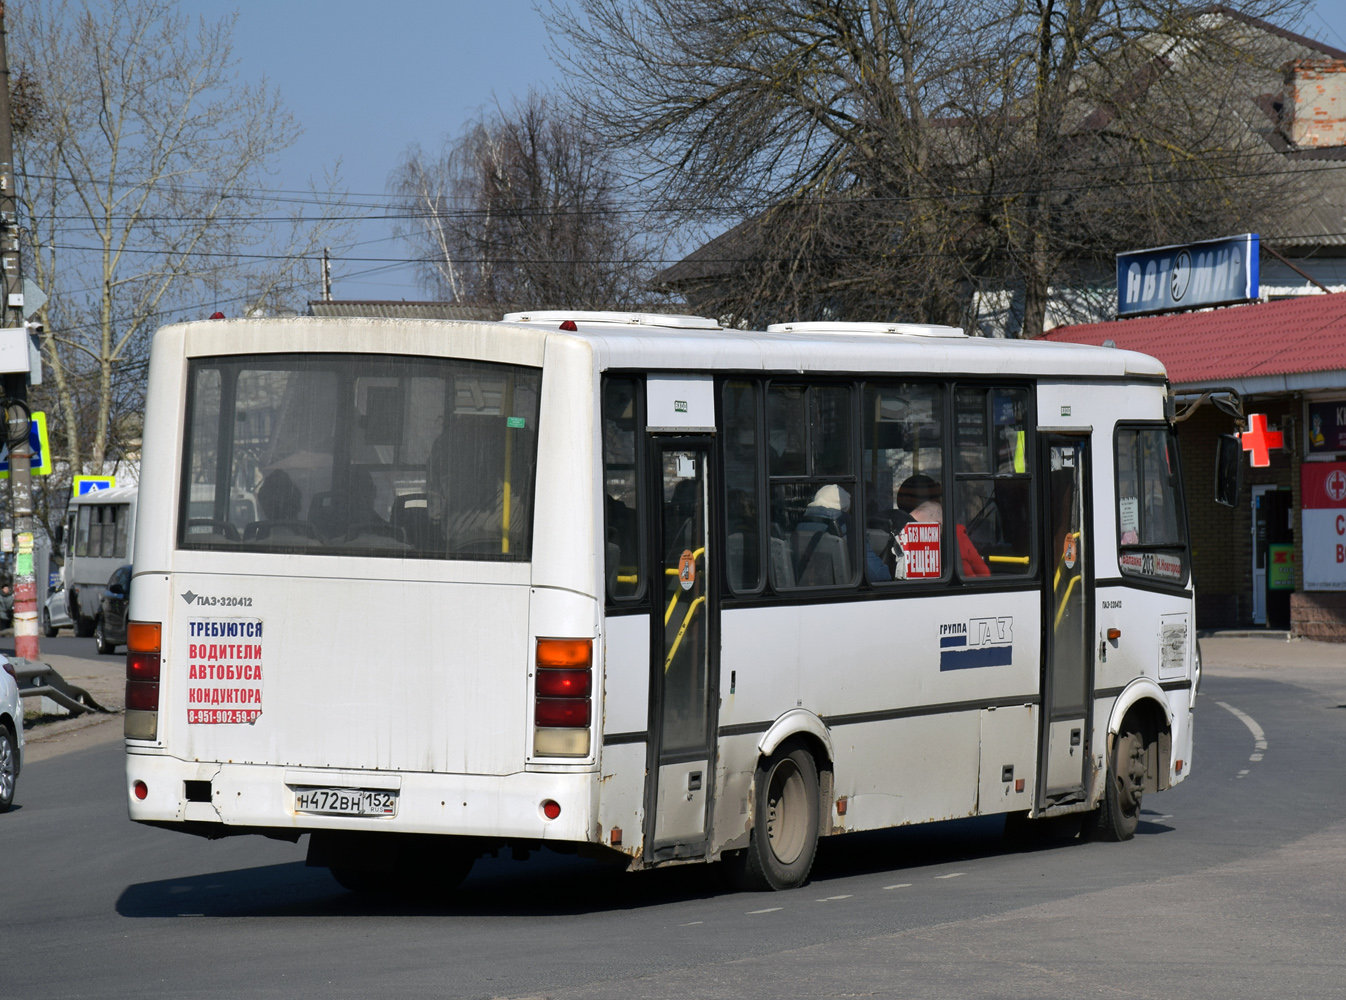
point(366, 455)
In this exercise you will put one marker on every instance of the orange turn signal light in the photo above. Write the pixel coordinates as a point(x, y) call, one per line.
point(565, 652)
point(1114, 634)
point(143, 637)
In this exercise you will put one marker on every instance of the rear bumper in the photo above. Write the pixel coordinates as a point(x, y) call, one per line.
point(262, 797)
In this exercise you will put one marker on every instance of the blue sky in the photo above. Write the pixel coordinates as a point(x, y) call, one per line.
point(367, 79)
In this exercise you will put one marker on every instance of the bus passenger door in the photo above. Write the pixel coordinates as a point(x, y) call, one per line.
point(682, 764)
point(1067, 673)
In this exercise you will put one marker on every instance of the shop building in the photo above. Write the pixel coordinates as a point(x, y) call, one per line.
point(1277, 557)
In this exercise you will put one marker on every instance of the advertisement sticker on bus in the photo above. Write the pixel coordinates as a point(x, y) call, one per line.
point(920, 545)
point(224, 671)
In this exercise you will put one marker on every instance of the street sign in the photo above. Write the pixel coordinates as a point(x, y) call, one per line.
point(34, 298)
point(84, 485)
point(37, 441)
point(1188, 276)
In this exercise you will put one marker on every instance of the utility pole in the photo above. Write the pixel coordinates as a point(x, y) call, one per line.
point(16, 383)
point(326, 276)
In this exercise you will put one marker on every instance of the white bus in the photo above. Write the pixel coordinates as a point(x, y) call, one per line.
point(639, 584)
point(99, 537)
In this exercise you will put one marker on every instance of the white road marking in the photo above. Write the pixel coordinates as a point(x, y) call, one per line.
point(769, 909)
point(1259, 737)
point(900, 885)
point(692, 923)
point(830, 898)
point(1243, 773)
point(954, 875)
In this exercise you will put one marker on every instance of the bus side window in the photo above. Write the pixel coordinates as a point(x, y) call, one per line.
point(812, 485)
point(623, 489)
point(743, 522)
point(903, 467)
point(993, 466)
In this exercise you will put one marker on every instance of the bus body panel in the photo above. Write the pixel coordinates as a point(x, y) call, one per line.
point(883, 665)
point(626, 674)
point(263, 797)
point(402, 678)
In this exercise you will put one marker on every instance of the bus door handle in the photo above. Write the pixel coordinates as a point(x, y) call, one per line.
point(694, 782)
point(1074, 740)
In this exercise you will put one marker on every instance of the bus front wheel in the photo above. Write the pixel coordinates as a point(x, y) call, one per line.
point(1119, 812)
point(784, 837)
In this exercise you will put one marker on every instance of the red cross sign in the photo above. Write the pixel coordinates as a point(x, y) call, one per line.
point(1260, 441)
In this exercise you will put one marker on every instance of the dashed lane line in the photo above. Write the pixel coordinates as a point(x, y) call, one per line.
point(769, 909)
point(830, 898)
point(1259, 736)
point(900, 885)
point(951, 875)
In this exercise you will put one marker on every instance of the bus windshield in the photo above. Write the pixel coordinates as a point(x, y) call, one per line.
point(360, 454)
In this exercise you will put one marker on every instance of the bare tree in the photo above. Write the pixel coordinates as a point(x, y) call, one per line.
point(887, 157)
point(142, 167)
point(523, 207)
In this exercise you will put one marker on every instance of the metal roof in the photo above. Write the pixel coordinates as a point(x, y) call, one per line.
point(1240, 344)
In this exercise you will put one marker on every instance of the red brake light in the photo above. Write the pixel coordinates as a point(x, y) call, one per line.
point(569, 326)
point(141, 789)
point(142, 666)
point(551, 809)
point(142, 696)
point(563, 683)
point(567, 713)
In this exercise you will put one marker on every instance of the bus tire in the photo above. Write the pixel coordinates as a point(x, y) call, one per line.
point(1119, 812)
point(784, 837)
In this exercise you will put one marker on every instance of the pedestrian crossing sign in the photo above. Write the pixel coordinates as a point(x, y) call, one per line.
point(37, 441)
point(84, 485)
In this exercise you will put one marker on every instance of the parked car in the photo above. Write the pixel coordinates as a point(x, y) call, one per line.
point(11, 733)
point(54, 614)
point(109, 630)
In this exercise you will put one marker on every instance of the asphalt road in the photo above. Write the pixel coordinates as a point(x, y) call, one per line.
point(1235, 886)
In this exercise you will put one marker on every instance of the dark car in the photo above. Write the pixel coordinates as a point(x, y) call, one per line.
point(109, 631)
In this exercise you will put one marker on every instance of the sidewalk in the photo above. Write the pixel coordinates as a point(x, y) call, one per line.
point(105, 679)
point(1317, 666)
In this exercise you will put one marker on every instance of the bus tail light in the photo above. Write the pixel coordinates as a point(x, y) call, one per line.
point(143, 650)
point(562, 697)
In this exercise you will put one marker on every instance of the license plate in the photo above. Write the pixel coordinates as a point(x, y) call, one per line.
point(346, 801)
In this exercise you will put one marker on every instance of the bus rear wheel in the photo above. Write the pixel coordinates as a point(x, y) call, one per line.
point(1119, 813)
point(784, 836)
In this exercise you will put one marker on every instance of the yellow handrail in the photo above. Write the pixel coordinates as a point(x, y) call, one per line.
point(673, 571)
point(1061, 608)
point(1017, 560)
point(677, 641)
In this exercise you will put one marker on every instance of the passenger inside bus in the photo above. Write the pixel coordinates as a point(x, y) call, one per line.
point(921, 496)
point(820, 561)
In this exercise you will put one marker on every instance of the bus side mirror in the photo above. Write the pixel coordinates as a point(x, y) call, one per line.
point(1228, 469)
